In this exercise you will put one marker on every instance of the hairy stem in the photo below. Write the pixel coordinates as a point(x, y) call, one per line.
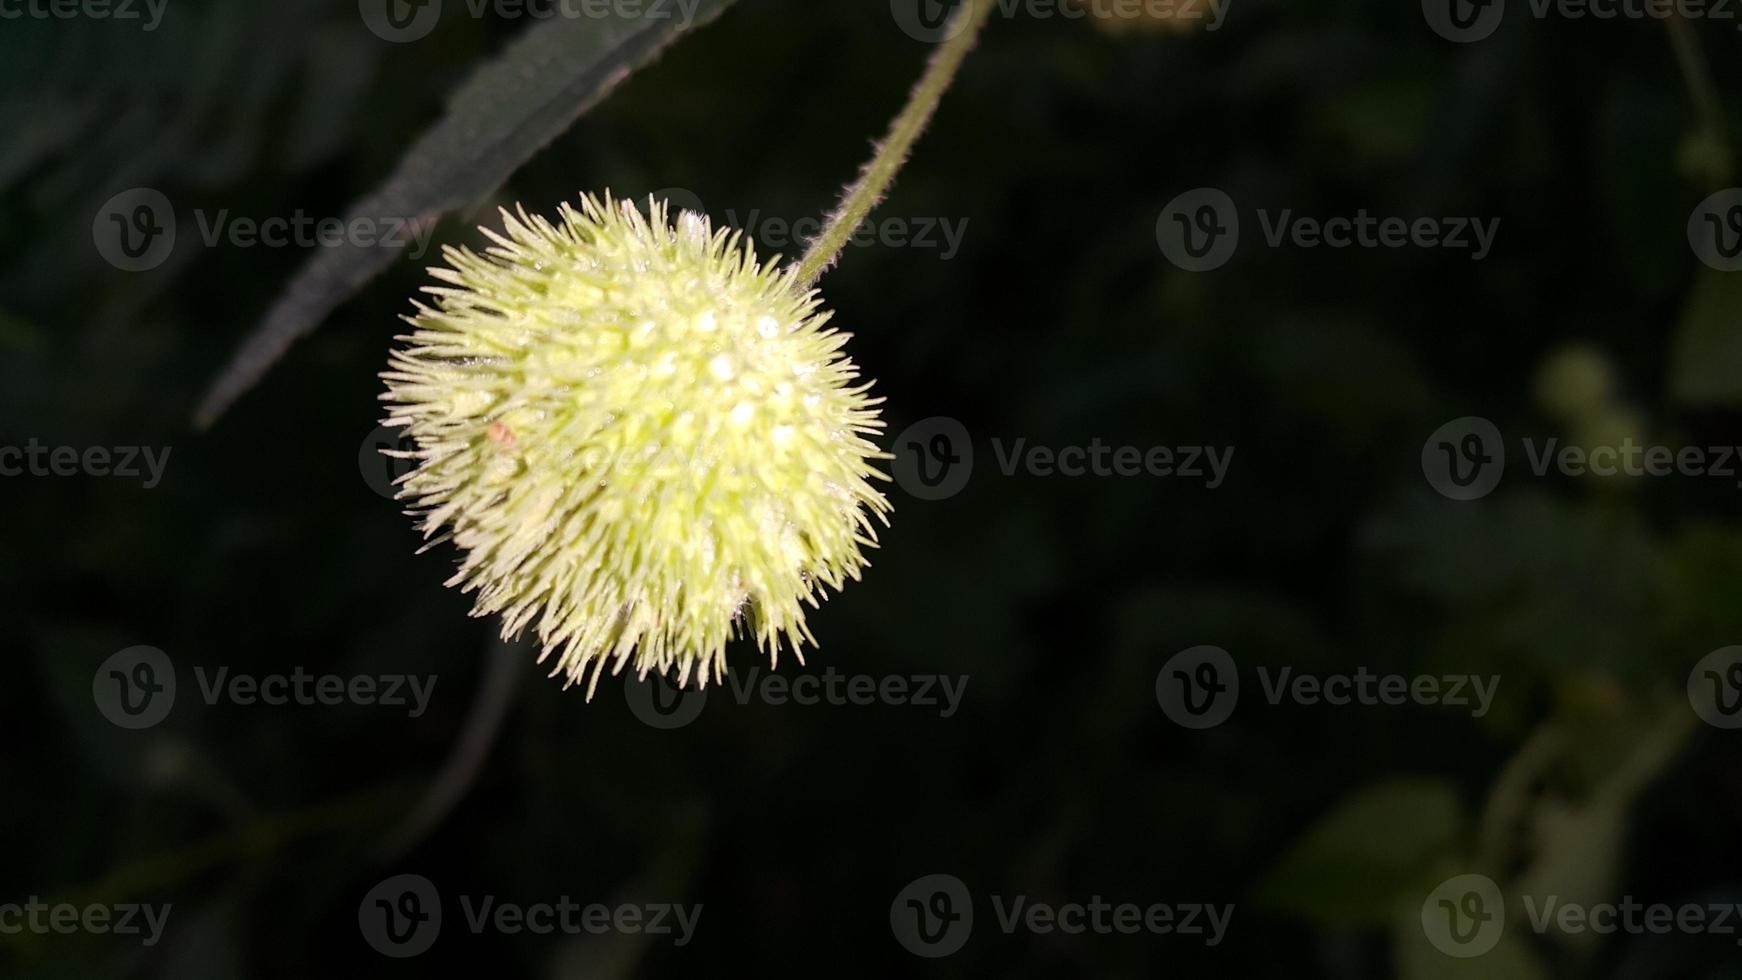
point(875, 179)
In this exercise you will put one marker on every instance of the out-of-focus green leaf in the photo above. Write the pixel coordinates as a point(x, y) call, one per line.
point(1530, 580)
point(1380, 123)
point(1706, 356)
point(1376, 852)
point(510, 110)
point(1417, 959)
point(1703, 561)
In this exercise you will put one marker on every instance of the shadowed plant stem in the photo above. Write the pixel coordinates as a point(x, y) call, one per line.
point(1697, 74)
point(874, 181)
point(265, 837)
point(483, 724)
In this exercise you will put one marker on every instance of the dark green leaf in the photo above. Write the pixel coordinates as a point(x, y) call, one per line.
point(513, 107)
point(1370, 856)
point(1706, 360)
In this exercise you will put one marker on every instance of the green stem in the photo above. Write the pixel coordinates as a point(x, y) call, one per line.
point(1697, 75)
point(874, 181)
point(1510, 798)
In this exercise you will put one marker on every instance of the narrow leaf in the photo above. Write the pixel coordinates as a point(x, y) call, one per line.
point(509, 110)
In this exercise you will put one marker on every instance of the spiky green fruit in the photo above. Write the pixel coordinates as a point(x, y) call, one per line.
point(641, 438)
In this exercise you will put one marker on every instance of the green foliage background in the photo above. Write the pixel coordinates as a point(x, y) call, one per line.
point(1059, 321)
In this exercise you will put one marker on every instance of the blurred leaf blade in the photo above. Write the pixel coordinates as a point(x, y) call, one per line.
point(512, 108)
point(1369, 855)
point(1707, 350)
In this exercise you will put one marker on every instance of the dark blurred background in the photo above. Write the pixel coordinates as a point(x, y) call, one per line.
point(268, 546)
